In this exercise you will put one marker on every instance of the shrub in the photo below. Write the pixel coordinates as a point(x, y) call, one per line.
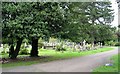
point(60, 48)
point(3, 51)
point(40, 45)
point(117, 44)
point(24, 52)
point(110, 43)
point(89, 46)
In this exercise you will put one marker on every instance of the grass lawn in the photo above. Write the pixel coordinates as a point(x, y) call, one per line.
point(54, 55)
point(113, 68)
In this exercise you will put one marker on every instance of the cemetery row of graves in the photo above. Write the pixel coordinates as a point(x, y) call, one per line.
point(55, 45)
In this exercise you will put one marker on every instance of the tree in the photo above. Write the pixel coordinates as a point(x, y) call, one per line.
point(52, 21)
point(84, 20)
point(32, 21)
point(11, 27)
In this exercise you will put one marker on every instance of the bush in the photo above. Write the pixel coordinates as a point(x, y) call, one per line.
point(110, 43)
point(3, 51)
point(89, 46)
point(24, 52)
point(40, 45)
point(60, 48)
point(117, 44)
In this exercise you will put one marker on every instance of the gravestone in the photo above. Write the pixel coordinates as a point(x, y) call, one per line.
point(84, 45)
point(101, 45)
point(1, 48)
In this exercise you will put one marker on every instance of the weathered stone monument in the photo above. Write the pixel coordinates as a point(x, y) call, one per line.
point(84, 45)
point(101, 45)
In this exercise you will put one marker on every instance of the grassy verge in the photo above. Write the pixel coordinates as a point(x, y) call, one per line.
point(55, 56)
point(113, 68)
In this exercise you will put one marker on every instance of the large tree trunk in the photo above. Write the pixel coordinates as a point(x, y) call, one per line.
point(103, 43)
point(16, 51)
point(19, 42)
point(34, 51)
point(11, 51)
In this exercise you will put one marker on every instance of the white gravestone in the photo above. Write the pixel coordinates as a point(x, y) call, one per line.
point(84, 47)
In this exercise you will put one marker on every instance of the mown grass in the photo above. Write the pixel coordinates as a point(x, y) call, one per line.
point(54, 55)
point(113, 68)
point(69, 54)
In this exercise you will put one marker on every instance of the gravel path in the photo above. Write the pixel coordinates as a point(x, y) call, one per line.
point(79, 64)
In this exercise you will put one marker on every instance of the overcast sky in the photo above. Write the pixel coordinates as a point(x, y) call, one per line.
point(115, 7)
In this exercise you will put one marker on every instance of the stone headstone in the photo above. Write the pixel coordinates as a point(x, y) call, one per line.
point(84, 45)
point(101, 45)
point(84, 42)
